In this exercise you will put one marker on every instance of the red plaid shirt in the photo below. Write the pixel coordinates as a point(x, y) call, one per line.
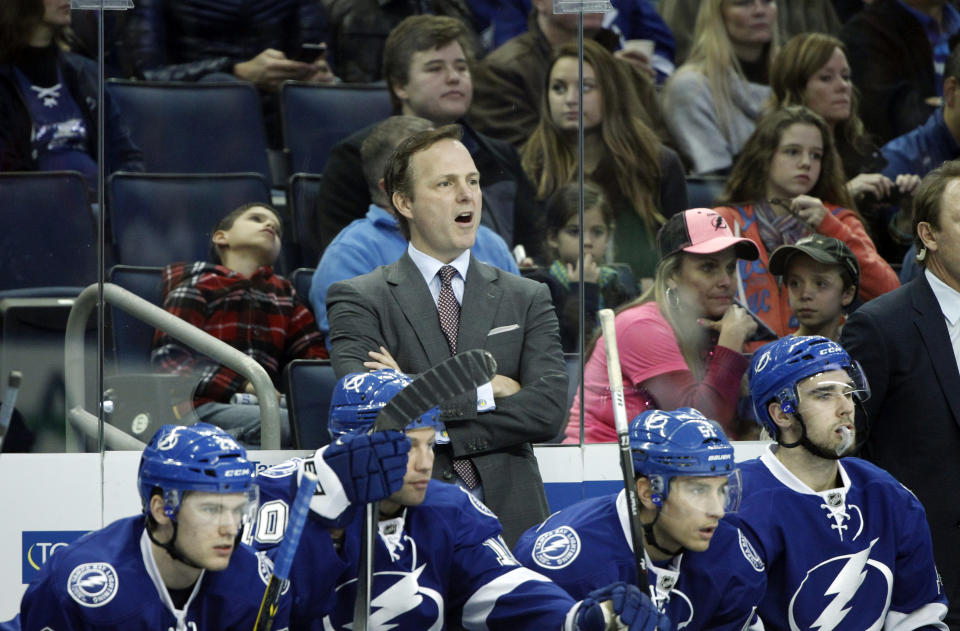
point(259, 316)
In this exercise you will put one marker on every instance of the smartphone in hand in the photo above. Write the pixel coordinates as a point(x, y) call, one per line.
point(763, 333)
point(310, 51)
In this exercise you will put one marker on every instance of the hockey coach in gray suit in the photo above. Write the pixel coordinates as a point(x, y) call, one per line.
point(436, 300)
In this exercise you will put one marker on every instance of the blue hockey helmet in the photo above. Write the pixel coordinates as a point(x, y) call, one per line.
point(681, 442)
point(199, 457)
point(779, 366)
point(359, 397)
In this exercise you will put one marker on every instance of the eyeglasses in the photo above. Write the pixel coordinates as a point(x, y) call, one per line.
point(597, 232)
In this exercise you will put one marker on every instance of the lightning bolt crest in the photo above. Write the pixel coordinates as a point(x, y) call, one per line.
point(843, 587)
point(93, 582)
point(396, 600)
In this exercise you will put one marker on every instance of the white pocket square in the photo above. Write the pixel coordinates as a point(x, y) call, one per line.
point(503, 329)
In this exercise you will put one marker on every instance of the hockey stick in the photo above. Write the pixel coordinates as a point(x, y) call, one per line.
point(447, 380)
point(623, 435)
point(288, 548)
point(9, 401)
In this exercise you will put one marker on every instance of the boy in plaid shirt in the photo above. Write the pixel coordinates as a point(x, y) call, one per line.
point(237, 299)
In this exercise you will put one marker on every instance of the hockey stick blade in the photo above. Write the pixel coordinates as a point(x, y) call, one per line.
point(615, 378)
point(447, 380)
point(285, 555)
point(9, 401)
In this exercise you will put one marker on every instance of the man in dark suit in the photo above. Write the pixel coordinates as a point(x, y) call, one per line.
point(908, 342)
point(437, 299)
point(426, 65)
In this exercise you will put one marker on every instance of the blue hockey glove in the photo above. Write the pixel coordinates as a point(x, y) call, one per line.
point(635, 610)
point(369, 466)
point(354, 470)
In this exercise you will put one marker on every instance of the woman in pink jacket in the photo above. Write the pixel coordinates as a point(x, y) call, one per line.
point(787, 184)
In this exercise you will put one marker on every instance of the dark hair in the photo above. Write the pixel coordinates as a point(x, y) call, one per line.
point(398, 176)
point(377, 148)
point(747, 182)
point(228, 220)
point(18, 19)
point(564, 205)
point(413, 35)
point(952, 66)
point(928, 200)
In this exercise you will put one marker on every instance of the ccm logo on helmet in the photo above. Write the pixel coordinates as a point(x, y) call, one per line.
point(718, 457)
point(232, 473)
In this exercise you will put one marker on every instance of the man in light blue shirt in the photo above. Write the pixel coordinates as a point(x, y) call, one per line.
point(376, 240)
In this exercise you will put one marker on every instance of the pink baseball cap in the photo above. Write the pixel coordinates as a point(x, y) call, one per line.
point(702, 231)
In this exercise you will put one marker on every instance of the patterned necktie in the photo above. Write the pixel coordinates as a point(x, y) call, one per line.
point(449, 310)
point(448, 307)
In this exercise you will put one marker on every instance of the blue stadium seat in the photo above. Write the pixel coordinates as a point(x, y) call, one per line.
point(310, 384)
point(302, 278)
point(315, 117)
point(186, 127)
point(133, 338)
point(161, 219)
point(302, 191)
point(49, 236)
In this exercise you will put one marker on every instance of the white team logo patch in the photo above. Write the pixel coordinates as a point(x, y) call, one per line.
point(281, 470)
point(557, 548)
point(168, 442)
point(749, 553)
point(265, 568)
point(480, 506)
point(354, 383)
point(92, 584)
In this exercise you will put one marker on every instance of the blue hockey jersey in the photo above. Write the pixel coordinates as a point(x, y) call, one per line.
point(107, 580)
point(588, 545)
point(847, 559)
point(441, 561)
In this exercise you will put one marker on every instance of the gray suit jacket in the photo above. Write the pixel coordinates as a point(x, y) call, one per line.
point(512, 318)
point(901, 341)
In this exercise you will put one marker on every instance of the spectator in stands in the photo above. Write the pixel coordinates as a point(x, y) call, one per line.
point(901, 47)
point(602, 286)
point(642, 178)
point(49, 96)
point(713, 100)
point(812, 70)
point(681, 342)
point(787, 184)
point(376, 239)
point(359, 30)
point(793, 17)
point(427, 66)
point(508, 85)
point(923, 149)
point(260, 41)
point(238, 299)
point(821, 275)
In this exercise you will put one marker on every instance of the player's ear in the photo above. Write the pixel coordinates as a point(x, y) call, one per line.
point(645, 493)
point(781, 417)
point(156, 509)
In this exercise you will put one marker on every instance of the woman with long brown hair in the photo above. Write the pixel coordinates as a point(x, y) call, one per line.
point(642, 179)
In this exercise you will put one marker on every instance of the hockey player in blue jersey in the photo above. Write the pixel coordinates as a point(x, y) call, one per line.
point(701, 570)
point(439, 560)
point(176, 567)
point(847, 547)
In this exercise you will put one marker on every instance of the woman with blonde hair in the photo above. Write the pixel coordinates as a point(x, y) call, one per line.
point(712, 101)
point(681, 342)
point(641, 178)
point(812, 70)
point(787, 183)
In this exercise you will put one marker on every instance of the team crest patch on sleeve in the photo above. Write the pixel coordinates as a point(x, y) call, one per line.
point(281, 470)
point(93, 584)
point(556, 548)
point(265, 568)
point(480, 506)
point(749, 552)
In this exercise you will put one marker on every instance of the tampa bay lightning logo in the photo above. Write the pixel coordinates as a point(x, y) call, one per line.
point(480, 506)
point(557, 548)
point(265, 569)
point(93, 584)
point(749, 552)
point(402, 600)
point(169, 441)
point(353, 383)
point(282, 470)
point(837, 586)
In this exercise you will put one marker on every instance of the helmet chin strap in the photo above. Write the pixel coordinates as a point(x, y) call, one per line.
point(805, 442)
point(652, 538)
point(171, 546)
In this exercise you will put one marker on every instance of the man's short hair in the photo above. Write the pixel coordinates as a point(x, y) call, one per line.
point(227, 222)
point(413, 35)
point(399, 177)
point(928, 200)
point(377, 148)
